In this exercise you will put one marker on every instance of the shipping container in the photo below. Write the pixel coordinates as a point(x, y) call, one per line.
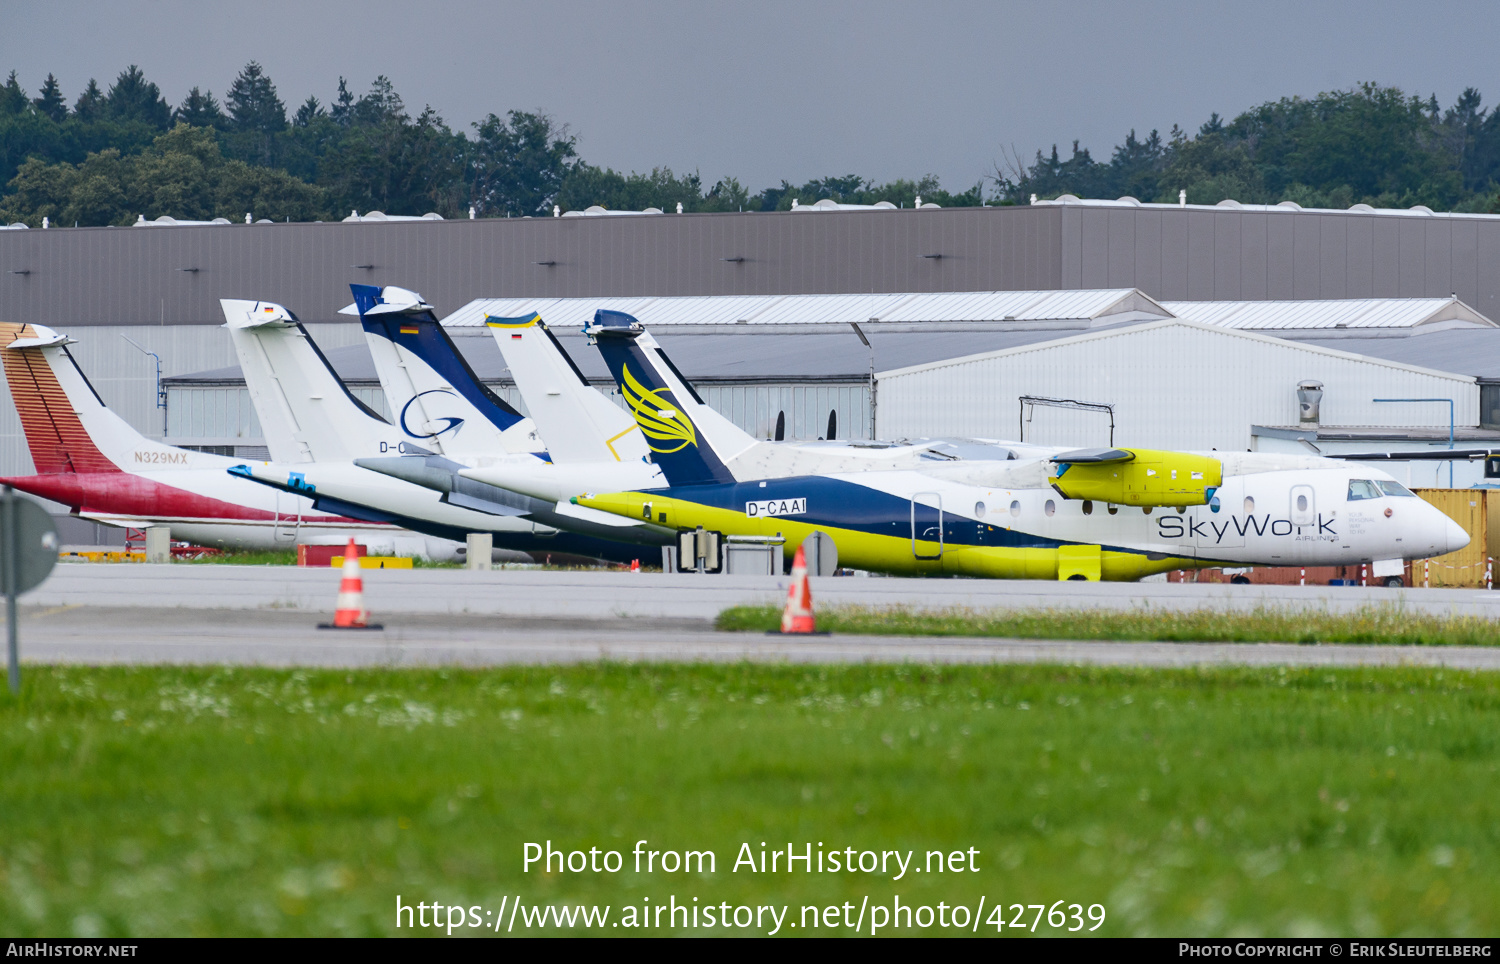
point(1474, 509)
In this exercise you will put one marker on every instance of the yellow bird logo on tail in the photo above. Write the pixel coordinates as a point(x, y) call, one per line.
point(659, 420)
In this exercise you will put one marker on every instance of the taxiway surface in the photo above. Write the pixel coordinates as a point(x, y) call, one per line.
point(211, 614)
point(586, 594)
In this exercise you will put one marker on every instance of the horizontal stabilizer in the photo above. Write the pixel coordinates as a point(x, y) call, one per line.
point(585, 514)
point(416, 469)
point(45, 338)
point(441, 475)
point(480, 504)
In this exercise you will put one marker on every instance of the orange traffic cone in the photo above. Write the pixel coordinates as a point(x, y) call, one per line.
point(349, 612)
point(635, 565)
point(797, 618)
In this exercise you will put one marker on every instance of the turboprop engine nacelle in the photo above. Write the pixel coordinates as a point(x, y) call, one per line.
point(1136, 476)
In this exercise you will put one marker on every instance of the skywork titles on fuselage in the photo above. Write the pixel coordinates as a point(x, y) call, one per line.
point(1176, 527)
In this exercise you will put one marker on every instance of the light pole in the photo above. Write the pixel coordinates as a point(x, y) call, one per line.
point(161, 396)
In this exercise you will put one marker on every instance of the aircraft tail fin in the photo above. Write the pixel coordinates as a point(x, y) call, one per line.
point(689, 440)
point(577, 423)
point(67, 426)
point(305, 410)
point(437, 399)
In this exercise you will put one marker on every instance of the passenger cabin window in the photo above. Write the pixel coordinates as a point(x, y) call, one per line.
point(1362, 489)
point(1396, 488)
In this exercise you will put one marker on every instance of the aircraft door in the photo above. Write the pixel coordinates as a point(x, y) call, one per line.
point(1303, 510)
point(927, 525)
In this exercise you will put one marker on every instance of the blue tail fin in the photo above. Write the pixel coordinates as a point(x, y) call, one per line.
point(685, 455)
point(402, 318)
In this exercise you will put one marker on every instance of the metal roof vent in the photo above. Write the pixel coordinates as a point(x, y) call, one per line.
point(1309, 400)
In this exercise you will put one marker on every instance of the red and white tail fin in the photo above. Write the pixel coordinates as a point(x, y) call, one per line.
point(50, 415)
point(67, 425)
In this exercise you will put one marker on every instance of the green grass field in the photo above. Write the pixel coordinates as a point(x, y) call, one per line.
point(246, 557)
point(142, 801)
point(1377, 624)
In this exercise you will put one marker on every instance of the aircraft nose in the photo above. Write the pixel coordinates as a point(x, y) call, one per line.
point(1457, 537)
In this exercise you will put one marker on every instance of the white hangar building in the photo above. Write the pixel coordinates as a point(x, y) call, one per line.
point(1174, 383)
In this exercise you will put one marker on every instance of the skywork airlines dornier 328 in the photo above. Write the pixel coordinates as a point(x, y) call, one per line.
point(1115, 514)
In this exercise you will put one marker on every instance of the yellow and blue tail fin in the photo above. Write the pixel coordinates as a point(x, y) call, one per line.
point(679, 428)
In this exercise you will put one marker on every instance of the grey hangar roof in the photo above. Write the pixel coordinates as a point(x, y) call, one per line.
point(781, 357)
point(807, 337)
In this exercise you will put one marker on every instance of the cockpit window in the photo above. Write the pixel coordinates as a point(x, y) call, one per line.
point(1395, 488)
point(1362, 489)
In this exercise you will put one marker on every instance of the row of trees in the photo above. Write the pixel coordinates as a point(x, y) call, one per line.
point(120, 152)
point(1373, 145)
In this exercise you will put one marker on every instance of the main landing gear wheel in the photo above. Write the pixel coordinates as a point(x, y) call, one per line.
point(1240, 580)
point(1394, 582)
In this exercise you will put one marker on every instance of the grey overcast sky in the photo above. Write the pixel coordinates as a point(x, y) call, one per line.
point(772, 89)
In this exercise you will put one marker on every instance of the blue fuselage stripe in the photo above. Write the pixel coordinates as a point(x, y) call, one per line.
point(839, 504)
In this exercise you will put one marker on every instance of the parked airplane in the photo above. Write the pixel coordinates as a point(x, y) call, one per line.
point(1116, 514)
point(324, 442)
point(537, 366)
point(584, 434)
point(92, 461)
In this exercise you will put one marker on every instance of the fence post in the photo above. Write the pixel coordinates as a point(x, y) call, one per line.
point(1489, 573)
point(1426, 573)
point(1302, 579)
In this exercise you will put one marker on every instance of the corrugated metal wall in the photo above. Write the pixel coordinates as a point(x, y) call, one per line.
point(755, 408)
point(1173, 385)
point(1230, 255)
point(138, 276)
